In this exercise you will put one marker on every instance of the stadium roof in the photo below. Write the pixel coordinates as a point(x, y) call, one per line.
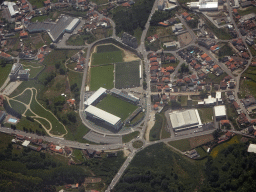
point(251, 148)
point(185, 118)
point(220, 111)
point(108, 117)
point(95, 96)
point(121, 94)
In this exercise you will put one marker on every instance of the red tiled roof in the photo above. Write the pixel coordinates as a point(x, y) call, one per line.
point(126, 4)
point(204, 56)
point(236, 105)
point(40, 56)
point(5, 55)
point(208, 59)
point(162, 23)
point(224, 122)
point(215, 66)
point(185, 14)
point(188, 18)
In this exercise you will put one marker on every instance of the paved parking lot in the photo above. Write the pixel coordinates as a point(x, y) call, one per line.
point(100, 138)
point(194, 131)
point(11, 87)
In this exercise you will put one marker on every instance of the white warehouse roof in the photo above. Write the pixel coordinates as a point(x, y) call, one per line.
point(220, 110)
point(108, 117)
point(72, 24)
point(208, 5)
point(218, 95)
point(185, 118)
point(95, 96)
point(25, 143)
point(251, 148)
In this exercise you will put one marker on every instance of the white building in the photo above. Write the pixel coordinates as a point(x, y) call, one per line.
point(104, 117)
point(204, 5)
point(251, 148)
point(72, 25)
point(11, 8)
point(181, 120)
point(220, 112)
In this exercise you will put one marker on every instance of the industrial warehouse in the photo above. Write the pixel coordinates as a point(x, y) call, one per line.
point(55, 30)
point(204, 5)
point(104, 118)
point(181, 120)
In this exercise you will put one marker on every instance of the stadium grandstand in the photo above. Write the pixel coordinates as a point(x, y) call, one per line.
point(96, 97)
point(55, 30)
point(104, 117)
point(187, 119)
point(123, 95)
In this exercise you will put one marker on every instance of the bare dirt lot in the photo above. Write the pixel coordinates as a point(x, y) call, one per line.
point(196, 141)
point(184, 39)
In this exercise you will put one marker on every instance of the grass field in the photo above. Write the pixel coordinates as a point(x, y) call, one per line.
point(219, 148)
point(248, 85)
point(211, 78)
point(206, 114)
point(34, 68)
point(226, 50)
point(79, 40)
point(248, 10)
point(107, 57)
point(39, 18)
point(75, 77)
point(29, 125)
point(102, 76)
point(184, 100)
point(127, 75)
point(117, 106)
point(156, 129)
point(25, 97)
point(37, 3)
point(29, 113)
point(57, 128)
point(165, 134)
point(78, 155)
point(137, 144)
point(138, 117)
point(17, 106)
point(58, 56)
point(99, 2)
point(129, 137)
point(107, 48)
point(201, 152)
point(183, 145)
point(4, 73)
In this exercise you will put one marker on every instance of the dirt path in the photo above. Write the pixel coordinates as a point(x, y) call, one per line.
point(35, 115)
point(150, 124)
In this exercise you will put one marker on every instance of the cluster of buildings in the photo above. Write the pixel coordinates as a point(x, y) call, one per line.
point(42, 52)
point(39, 144)
point(80, 61)
point(104, 118)
point(160, 76)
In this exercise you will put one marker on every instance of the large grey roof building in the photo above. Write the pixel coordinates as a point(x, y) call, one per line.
point(55, 30)
point(185, 119)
